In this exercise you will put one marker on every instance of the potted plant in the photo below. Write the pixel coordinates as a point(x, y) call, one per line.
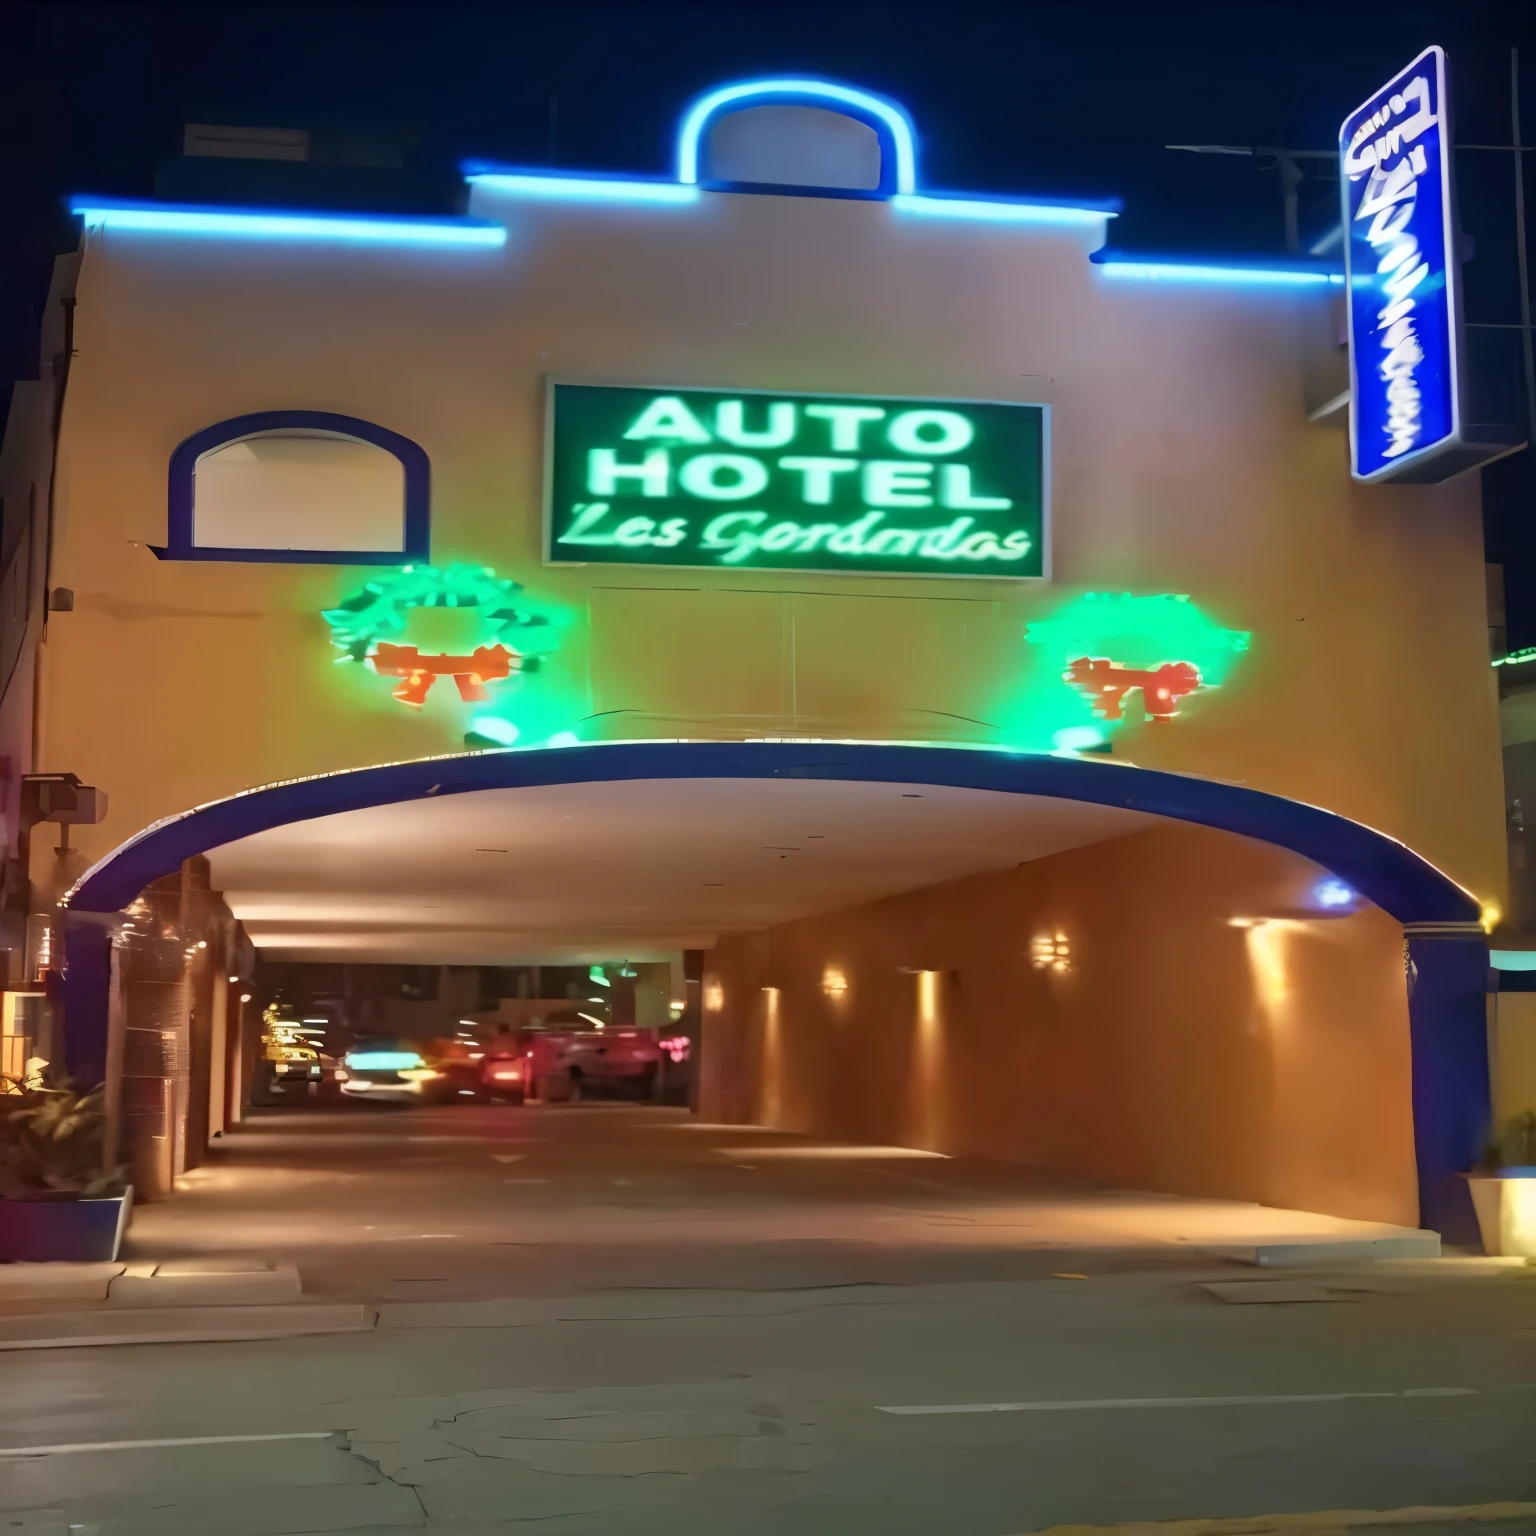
point(1504, 1190)
point(58, 1199)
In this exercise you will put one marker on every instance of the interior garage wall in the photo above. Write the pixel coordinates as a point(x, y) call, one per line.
point(1162, 1011)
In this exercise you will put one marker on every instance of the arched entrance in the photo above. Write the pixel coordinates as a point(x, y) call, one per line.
point(1445, 950)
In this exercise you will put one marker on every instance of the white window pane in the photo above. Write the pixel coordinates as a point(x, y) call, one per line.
point(299, 490)
point(794, 146)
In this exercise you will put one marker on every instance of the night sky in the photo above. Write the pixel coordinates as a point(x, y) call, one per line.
point(1067, 98)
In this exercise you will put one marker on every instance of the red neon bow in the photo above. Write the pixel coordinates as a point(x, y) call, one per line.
point(487, 665)
point(1107, 684)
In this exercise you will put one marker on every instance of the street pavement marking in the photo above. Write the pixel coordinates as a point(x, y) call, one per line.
point(155, 1445)
point(1178, 1402)
point(1314, 1520)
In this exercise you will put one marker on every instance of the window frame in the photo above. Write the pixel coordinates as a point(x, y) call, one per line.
point(417, 531)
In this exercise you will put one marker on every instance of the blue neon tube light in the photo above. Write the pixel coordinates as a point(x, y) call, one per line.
point(519, 182)
point(813, 93)
point(592, 188)
point(587, 188)
point(284, 224)
point(1042, 210)
point(1224, 271)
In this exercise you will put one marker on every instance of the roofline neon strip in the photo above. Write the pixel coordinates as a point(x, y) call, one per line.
point(1235, 270)
point(525, 181)
point(591, 187)
point(998, 210)
point(283, 223)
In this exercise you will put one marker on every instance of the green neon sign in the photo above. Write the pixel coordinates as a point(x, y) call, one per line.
point(744, 480)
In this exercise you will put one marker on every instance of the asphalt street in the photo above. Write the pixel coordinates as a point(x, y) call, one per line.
point(615, 1321)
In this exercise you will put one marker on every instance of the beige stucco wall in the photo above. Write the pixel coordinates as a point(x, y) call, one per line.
point(1181, 462)
point(1195, 1040)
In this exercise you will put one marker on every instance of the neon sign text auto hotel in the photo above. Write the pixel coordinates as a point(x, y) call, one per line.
point(839, 483)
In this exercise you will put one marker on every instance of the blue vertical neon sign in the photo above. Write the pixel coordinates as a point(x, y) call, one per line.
point(1403, 278)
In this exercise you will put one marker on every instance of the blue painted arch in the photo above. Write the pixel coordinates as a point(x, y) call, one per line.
point(1446, 952)
point(1380, 868)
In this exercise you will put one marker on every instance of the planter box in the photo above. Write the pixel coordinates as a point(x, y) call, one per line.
point(1506, 1211)
point(76, 1231)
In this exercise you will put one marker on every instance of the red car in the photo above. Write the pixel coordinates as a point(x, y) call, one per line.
point(594, 1063)
point(505, 1077)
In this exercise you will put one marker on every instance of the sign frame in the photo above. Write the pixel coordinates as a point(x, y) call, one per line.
point(1421, 464)
point(553, 381)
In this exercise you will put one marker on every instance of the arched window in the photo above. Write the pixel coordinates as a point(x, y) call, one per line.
point(299, 486)
point(793, 146)
point(800, 135)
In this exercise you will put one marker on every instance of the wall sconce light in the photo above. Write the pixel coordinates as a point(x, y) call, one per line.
point(1050, 952)
point(833, 982)
point(714, 996)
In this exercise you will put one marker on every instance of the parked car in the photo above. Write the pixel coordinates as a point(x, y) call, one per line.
point(411, 1071)
point(286, 1073)
point(505, 1071)
point(332, 1075)
point(578, 1064)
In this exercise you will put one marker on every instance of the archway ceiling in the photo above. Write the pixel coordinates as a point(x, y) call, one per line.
point(586, 872)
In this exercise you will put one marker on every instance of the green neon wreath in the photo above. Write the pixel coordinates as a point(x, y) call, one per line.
point(366, 627)
point(1106, 645)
